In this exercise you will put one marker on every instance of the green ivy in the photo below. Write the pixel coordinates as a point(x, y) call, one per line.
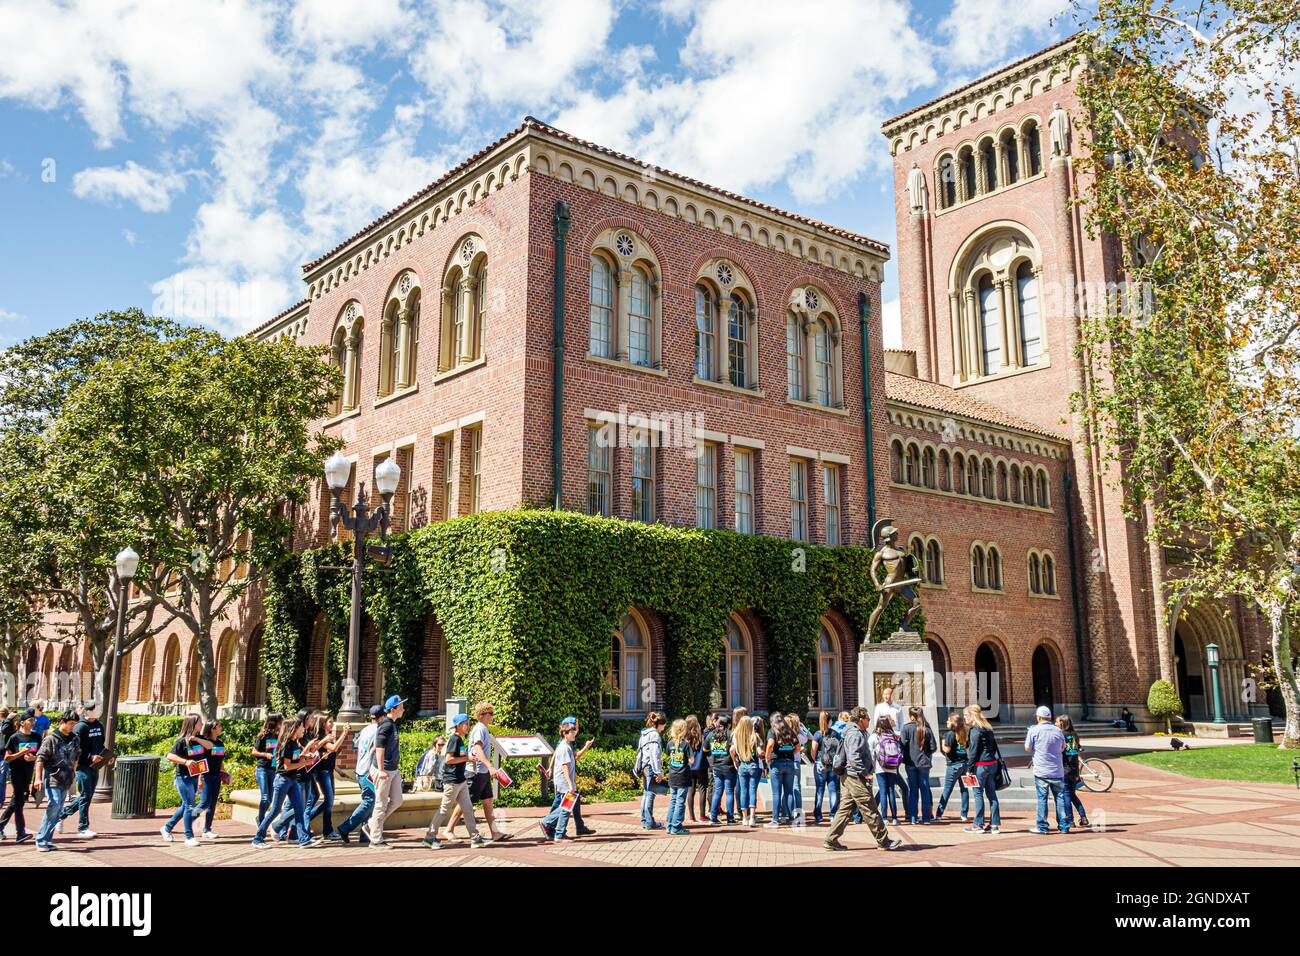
point(527, 601)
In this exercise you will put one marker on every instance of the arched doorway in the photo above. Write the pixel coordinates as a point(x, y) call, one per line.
point(1043, 679)
point(990, 681)
point(1181, 675)
point(1200, 626)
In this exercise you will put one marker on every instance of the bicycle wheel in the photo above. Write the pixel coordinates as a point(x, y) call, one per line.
point(1096, 774)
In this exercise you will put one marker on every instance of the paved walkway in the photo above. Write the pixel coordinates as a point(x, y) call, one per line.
point(1150, 819)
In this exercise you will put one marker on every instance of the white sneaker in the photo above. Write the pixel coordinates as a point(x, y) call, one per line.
point(60, 828)
point(87, 834)
point(209, 835)
point(166, 834)
point(193, 841)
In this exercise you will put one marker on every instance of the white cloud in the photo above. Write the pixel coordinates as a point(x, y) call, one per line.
point(149, 189)
point(891, 324)
point(130, 237)
point(7, 316)
point(980, 34)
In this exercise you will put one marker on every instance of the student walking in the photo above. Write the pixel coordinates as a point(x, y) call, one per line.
point(6, 729)
point(20, 757)
point(679, 777)
point(648, 768)
point(1070, 755)
point(481, 742)
point(185, 757)
point(90, 735)
point(723, 769)
point(56, 768)
point(887, 753)
point(360, 818)
point(855, 767)
point(1046, 742)
point(455, 788)
point(321, 727)
point(954, 750)
point(564, 768)
point(294, 758)
point(825, 745)
point(747, 755)
point(387, 772)
point(580, 828)
point(918, 756)
point(982, 759)
point(213, 777)
point(264, 760)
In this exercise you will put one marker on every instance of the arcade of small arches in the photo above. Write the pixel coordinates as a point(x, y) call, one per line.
point(996, 161)
point(922, 465)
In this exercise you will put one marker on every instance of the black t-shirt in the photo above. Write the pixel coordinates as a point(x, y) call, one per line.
point(955, 753)
point(91, 735)
point(452, 772)
point(679, 759)
point(290, 750)
point(187, 749)
point(6, 729)
point(327, 757)
point(216, 756)
point(20, 771)
point(386, 742)
point(719, 748)
point(783, 751)
point(265, 745)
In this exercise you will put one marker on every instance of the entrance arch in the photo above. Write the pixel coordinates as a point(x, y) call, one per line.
point(992, 679)
point(1044, 695)
point(1200, 626)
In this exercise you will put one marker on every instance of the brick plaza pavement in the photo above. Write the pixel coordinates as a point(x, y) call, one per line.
point(1150, 819)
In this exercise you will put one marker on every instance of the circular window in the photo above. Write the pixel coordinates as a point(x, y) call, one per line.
point(810, 299)
point(467, 250)
point(724, 274)
point(624, 245)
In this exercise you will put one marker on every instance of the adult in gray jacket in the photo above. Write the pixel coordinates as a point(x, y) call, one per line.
point(856, 786)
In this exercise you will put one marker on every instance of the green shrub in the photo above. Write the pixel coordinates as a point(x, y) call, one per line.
point(1164, 703)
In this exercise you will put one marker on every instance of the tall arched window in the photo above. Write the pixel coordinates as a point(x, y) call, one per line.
point(995, 569)
point(1011, 155)
point(986, 479)
point(916, 545)
point(1049, 575)
point(947, 182)
point(464, 305)
point(173, 687)
point(346, 352)
point(1035, 574)
point(824, 679)
point(794, 357)
point(990, 326)
point(1014, 483)
point(913, 464)
point(601, 294)
point(388, 350)
point(972, 476)
point(1002, 481)
point(927, 468)
point(145, 686)
point(124, 678)
point(967, 173)
point(978, 568)
point(739, 319)
point(627, 669)
point(933, 562)
point(1028, 486)
point(1033, 148)
point(959, 473)
point(734, 669)
point(227, 667)
point(1031, 341)
point(823, 364)
point(706, 310)
point(1044, 498)
point(989, 157)
point(897, 461)
point(640, 319)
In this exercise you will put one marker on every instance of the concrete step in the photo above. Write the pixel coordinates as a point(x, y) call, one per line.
point(417, 808)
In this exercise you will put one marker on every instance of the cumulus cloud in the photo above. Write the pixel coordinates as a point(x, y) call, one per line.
point(149, 189)
point(891, 323)
point(981, 34)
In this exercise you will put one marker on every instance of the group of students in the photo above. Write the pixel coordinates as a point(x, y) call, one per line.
point(44, 760)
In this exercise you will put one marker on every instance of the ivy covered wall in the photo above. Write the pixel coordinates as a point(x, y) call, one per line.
point(527, 601)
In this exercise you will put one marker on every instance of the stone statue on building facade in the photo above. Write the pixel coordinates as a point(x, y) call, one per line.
point(900, 576)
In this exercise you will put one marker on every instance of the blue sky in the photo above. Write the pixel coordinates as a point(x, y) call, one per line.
point(187, 157)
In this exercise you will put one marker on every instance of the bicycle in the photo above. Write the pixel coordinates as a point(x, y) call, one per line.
point(1096, 775)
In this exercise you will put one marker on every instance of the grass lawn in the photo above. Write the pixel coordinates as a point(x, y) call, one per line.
point(1253, 763)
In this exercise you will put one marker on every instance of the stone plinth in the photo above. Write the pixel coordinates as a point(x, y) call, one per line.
point(902, 662)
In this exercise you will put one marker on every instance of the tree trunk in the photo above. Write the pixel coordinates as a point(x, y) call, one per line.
point(1280, 625)
point(207, 674)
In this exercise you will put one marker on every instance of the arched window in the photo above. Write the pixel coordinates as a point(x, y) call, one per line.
point(813, 360)
point(989, 158)
point(345, 355)
point(227, 667)
point(124, 679)
point(464, 305)
point(1035, 574)
point(1011, 156)
point(740, 317)
point(916, 545)
point(173, 688)
point(913, 465)
point(145, 687)
point(1049, 575)
point(794, 357)
point(734, 669)
point(1044, 498)
point(1002, 481)
point(994, 569)
point(640, 319)
point(978, 568)
point(388, 350)
point(972, 476)
point(339, 359)
point(706, 310)
point(627, 669)
point(967, 173)
point(986, 482)
point(927, 468)
point(1028, 485)
point(1033, 148)
point(823, 364)
point(601, 295)
point(1014, 483)
point(933, 562)
point(990, 326)
point(191, 675)
point(824, 681)
point(896, 459)
point(1031, 341)
point(947, 182)
point(959, 473)
point(945, 471)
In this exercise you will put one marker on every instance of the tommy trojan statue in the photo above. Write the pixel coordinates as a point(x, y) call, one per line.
point(900, 576)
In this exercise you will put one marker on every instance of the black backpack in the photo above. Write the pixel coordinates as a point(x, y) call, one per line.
point(830, 755)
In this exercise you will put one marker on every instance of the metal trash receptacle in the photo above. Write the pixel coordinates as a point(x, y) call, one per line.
point(135, 786)
point(1263, 727)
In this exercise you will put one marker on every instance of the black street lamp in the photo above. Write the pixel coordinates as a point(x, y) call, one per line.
point(126, 561)
point(363, 523)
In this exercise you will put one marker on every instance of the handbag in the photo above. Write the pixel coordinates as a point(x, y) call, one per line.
point(1004, 775)
point(658, 787)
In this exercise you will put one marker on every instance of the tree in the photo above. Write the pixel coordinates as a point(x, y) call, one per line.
point(56, 549)
point(208, 439)
point(1164, 703)
point(1193, 174)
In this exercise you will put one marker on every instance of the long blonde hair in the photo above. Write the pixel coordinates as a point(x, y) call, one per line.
point(745, 740)
point(678, 731)
point(975, 717)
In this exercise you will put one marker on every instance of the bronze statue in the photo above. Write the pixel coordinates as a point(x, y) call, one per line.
point(900, 576)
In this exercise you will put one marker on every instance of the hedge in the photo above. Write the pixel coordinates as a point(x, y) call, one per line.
point(527, 600)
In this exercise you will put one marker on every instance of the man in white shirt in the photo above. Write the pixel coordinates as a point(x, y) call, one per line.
point(480, 748)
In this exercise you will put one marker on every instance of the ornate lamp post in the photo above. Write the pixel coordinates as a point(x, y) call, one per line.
point(1212, 658)
point(127, 561)
point(363, 523)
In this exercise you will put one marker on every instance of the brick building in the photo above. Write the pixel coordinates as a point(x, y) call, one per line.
point(715, 373)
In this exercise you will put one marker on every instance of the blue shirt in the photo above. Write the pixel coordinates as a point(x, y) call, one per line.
point(1046, 741)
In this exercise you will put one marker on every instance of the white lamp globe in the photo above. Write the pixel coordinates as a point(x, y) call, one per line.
point(387, 476)
point(127, 561)
point(337, 471)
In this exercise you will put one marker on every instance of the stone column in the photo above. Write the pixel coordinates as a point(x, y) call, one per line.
point(958, 349)
point(975, 367)
point(916, 289)
point(465, 351)
point(350, 373)
point(622, 309)
point(403, 371)
point(809, 358)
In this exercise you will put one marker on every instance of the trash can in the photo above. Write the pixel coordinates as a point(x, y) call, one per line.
point(135, 786)
point(1263, 727)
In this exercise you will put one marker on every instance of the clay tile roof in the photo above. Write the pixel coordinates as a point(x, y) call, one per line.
point(276, 318)
point(976, 82)
point(941, 398)
point(533, 123)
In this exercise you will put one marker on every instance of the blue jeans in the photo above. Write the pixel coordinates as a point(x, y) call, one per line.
point(4, 780)
point(211, 791)
point(782, 775)
point(951, 778)
point(87, 780)
point(886, 780)
point(291, 790)
point(557, 819)
point(1074, 802)
point(676, 807)
point(724, 781)
point(288, 817)
point(827, 785)
point(187, 787)
point(265, 783)
point(54, 797)
point(1057, 787)
point(918, 792)
point(323, 805)
point(363, 811)
point(986, 790)
point(747, 778)
point(647, 800)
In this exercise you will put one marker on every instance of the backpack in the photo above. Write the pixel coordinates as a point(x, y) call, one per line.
point(830, 755)
point(365, 752)
point(63, 764)
point(891, 753)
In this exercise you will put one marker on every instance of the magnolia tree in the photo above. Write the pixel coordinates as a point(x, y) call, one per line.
point(1194, 171)
point(208, 440)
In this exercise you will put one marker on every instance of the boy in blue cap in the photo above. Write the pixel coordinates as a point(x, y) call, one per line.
point(365, 762)
point(387, 773)
point(455, 788)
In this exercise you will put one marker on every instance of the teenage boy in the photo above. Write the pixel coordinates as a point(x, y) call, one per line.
point(387, 773)
point(90, 734)
point(20, 756)
point(365, 763)
point(480, 748)
point(56, 767)
point(455, 789)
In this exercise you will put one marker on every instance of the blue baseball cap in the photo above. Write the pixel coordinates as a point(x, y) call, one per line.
point(459, 719)
point(392, 702)
point(838, 726)
point(569, 720)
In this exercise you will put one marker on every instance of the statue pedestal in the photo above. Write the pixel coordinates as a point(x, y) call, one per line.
point(902, 662)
